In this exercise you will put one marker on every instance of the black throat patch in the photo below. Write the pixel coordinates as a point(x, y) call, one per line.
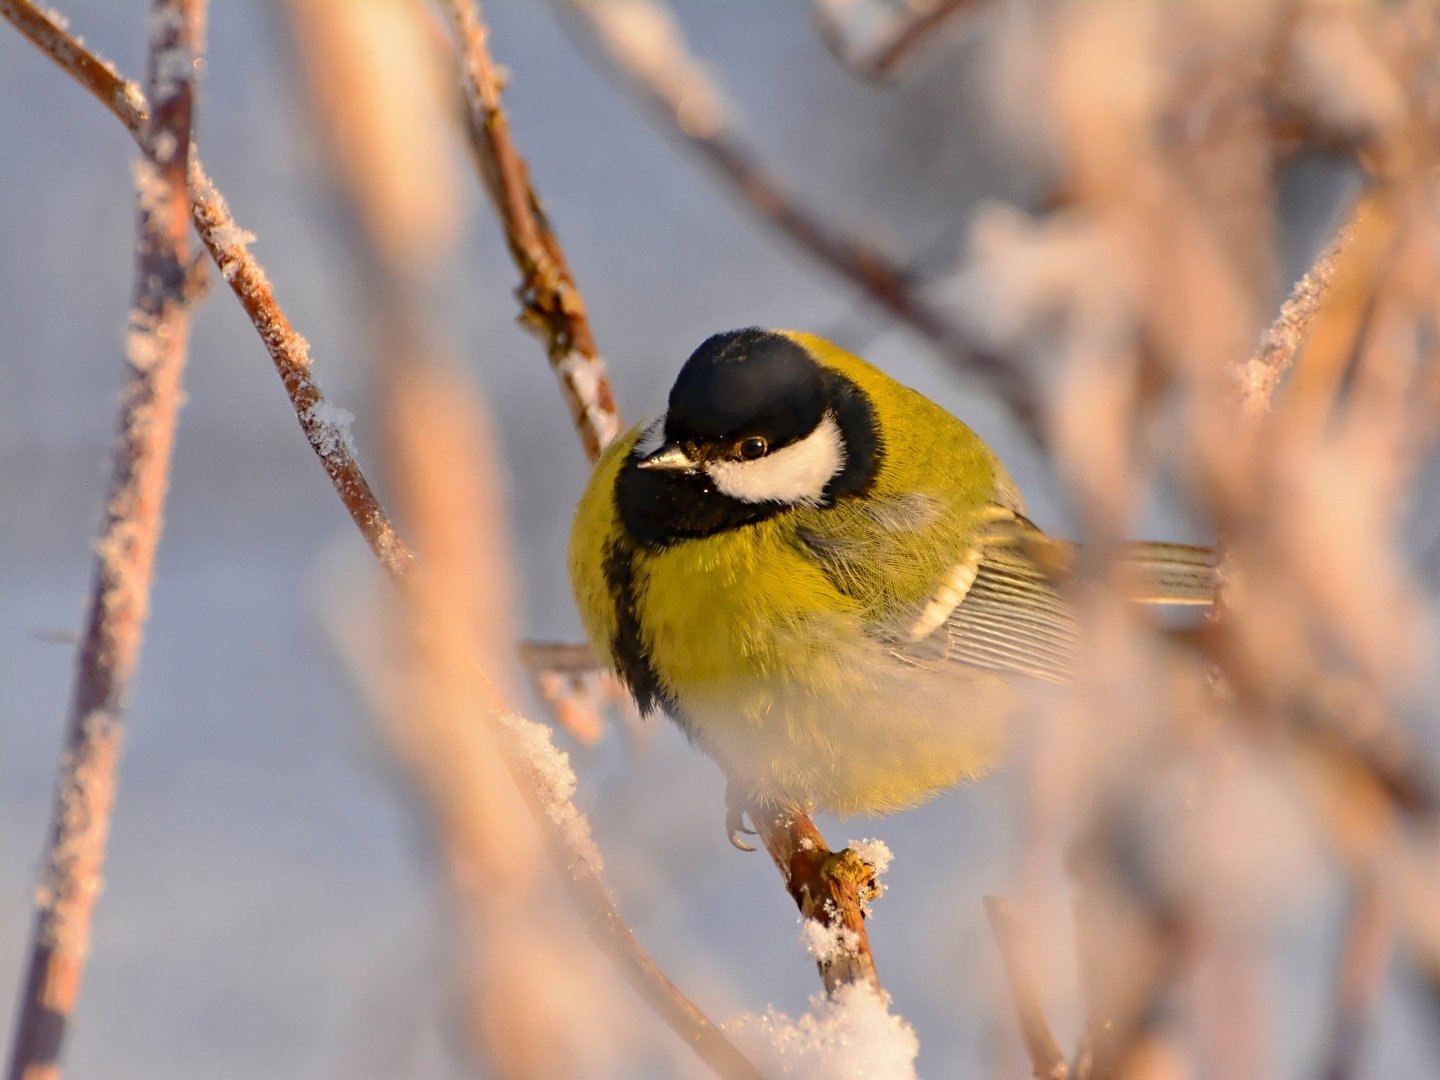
point(632, 663)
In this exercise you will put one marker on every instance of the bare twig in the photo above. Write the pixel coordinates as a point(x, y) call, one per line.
point(577, 692)
point(125, 552)
point(640, 40)
point(1047, 1060)
point(1361, 974)
point(906, 32)
point(550, 301)
point(830, 888)
point(323, 425)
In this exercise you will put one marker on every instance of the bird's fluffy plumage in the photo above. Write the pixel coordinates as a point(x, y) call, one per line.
point(848, 645)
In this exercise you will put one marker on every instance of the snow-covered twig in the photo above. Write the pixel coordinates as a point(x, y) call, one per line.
point(551, 303)
point(71, 877)
point(325, 427)
point(1259, 376)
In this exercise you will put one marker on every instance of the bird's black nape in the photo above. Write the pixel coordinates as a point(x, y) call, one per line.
point(747, 382)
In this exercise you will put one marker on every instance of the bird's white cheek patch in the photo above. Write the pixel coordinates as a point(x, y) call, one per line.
point(796, 473)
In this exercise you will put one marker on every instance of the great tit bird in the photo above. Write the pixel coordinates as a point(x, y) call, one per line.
point(826, 579)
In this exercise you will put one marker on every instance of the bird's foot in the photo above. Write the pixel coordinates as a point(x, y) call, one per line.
point(736, 804)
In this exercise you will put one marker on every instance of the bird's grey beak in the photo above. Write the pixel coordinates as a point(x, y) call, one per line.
point(670, 458)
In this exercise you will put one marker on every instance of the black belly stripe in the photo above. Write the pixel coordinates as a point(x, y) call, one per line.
point(627, 646)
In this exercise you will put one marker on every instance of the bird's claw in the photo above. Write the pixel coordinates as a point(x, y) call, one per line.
point(735, 818)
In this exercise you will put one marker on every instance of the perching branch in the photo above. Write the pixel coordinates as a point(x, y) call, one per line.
point(324, 426)
point(640, 41)
point(71, 877)
point(551, 303)
point(828, 887)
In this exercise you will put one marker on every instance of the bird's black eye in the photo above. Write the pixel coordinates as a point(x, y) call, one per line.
point(753, 447)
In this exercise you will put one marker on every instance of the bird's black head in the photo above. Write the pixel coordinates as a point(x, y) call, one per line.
point(755, 425)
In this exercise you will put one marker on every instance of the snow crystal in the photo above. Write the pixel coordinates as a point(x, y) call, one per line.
point(328, 428)
point(828, 942)
point(851, 1033)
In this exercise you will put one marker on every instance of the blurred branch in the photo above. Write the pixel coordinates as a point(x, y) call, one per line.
point(1361, 975)
point(550, 301)
point(576, 691)
point(1282, 339)
point(903, 35)
point(226, 243)
point(71, 877)
point(639, 40)
point(1047, 1060)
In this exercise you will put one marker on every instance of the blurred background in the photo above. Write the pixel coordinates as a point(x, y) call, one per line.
point(271, 908)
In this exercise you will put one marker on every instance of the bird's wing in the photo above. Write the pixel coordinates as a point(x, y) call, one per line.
point(1000, 608)
point(1010, 618)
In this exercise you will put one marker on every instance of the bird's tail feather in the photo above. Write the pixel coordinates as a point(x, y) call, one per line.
point(1171, 573)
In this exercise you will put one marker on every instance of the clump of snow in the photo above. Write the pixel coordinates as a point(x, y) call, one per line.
point(828, 942)
point(583, 375)
point(875, 852)
point(849, 1034)
point(549, 767)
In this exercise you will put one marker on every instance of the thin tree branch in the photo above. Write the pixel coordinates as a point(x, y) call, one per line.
point(324, 426)
point(639, 40)
point(71, 878)
point(906, 33)
point(551, 303)
point(1047, 1060)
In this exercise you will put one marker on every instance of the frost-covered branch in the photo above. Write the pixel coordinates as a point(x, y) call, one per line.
point(551, 302)
point(71, 875)
point(1259, 376)
point(325, 427)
